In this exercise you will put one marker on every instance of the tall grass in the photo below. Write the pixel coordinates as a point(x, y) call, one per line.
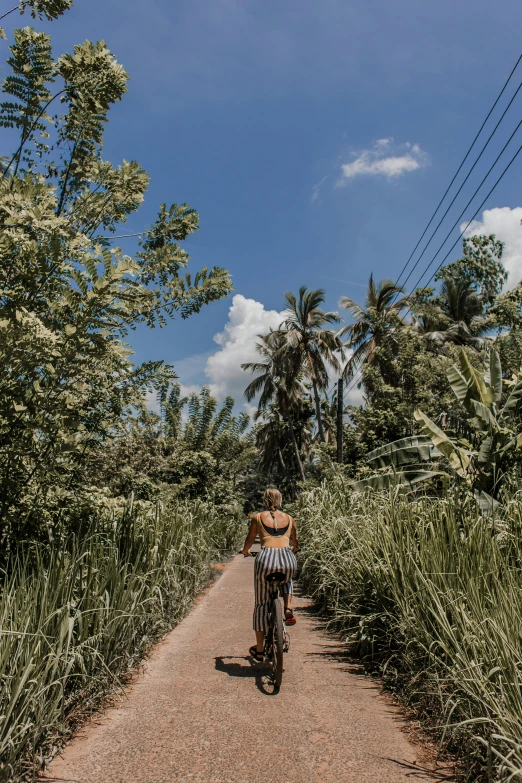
point(74, 621)
point(432, 592)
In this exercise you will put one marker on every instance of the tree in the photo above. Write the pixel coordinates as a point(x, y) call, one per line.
point(375, 323)
point(68, 295)
point(268, 381)
point(481, 449)
point(280, 389)
point(461, 312)
point(271, 440)
point(407, 375)
point(506, 316)
point(455, 316)
point(306, 346)
point(206, 456)
point(50, 9)
point(480, 267)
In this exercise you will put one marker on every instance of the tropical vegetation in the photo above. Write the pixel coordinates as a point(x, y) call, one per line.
point(399, 425)
point(69, 294)
point(77, 619)
point(401, 352)
point(411, 541)
point(111, 511)
point(427, 591)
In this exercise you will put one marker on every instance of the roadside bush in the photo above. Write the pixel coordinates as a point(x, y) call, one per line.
point(77, 618)
point(429, 591)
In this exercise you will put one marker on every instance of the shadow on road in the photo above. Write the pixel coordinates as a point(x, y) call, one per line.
point(229, 664)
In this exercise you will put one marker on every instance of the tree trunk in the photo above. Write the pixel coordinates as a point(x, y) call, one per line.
point(340, 405)
point(318, 412)
point(297, 455)
point(287, 473)
point(281, 461)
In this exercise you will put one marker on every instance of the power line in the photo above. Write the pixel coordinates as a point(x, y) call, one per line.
point(460, 167)
point(465, 180)
point(473, 216)
point(355, 380)
point(466, 156)
point(469, 202)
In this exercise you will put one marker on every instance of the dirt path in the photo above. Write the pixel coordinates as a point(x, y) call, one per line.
point(203, 713)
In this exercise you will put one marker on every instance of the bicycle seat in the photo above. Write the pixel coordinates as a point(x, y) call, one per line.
point(276, 577)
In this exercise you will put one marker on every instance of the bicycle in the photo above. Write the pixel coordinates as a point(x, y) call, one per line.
point(277, 640)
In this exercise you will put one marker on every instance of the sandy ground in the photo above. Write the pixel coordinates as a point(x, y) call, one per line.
point(204, 712)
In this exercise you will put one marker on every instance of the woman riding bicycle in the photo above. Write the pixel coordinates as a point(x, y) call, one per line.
point(278, 536)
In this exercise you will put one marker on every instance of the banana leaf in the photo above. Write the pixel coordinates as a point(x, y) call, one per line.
point(484, 419)
point(458, 458)
point(486, 503)
point(407, 478)
point(405, 451)
point(514, 399)
point(485, 452)
point(477, 389)
point(493, 376)
point(458, 383)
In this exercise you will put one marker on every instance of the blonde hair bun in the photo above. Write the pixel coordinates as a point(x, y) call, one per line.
point(273, 501)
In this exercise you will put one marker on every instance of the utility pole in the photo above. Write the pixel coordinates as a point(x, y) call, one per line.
point(340, 405)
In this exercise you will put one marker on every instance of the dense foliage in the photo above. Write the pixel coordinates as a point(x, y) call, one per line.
point(112, 506)
point(110, 514)
point(400, 350)
point(78, 618)
point(208, 454)
point(68, 294)
point(430, 592)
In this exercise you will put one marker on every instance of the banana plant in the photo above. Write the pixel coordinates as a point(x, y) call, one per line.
point(482, 460)
point(408, 479)
point(417, 449)
point(406, 462)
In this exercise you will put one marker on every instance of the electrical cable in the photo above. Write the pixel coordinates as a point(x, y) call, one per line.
point(470, 220)
point(465, 180)
point(355, 380)
point(460, 235)
point(460, 167)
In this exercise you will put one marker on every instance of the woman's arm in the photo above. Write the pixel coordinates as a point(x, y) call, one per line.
point(251, 537)
point(294, 543)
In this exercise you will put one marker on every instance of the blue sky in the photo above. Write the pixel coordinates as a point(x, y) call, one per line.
point(314, 138)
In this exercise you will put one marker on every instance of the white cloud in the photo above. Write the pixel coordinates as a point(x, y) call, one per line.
point(505, 223)
point(384, 159)
point(317, 189)
point(247, 319)
point(237, 345)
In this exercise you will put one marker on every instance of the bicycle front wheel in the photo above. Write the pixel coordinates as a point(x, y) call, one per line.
point(277, 642)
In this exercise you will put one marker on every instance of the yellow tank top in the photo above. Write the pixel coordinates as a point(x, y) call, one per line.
point(271, 541)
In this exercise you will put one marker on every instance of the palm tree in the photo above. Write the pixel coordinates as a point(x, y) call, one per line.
point(375, 322)
point(267, 382)
point(280, 390)
point(271, 438)
point(457, 317)
point(305, 346)
point(329, 415)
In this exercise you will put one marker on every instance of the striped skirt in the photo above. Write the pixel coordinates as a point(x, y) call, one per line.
point(269, 561)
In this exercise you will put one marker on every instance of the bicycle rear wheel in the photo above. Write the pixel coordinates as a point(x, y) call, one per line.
point(277, 642)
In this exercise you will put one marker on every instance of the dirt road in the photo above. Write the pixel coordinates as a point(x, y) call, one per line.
point(204, 713)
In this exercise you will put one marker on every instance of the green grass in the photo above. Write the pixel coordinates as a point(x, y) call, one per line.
point(432, 593)
point(75, 621)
